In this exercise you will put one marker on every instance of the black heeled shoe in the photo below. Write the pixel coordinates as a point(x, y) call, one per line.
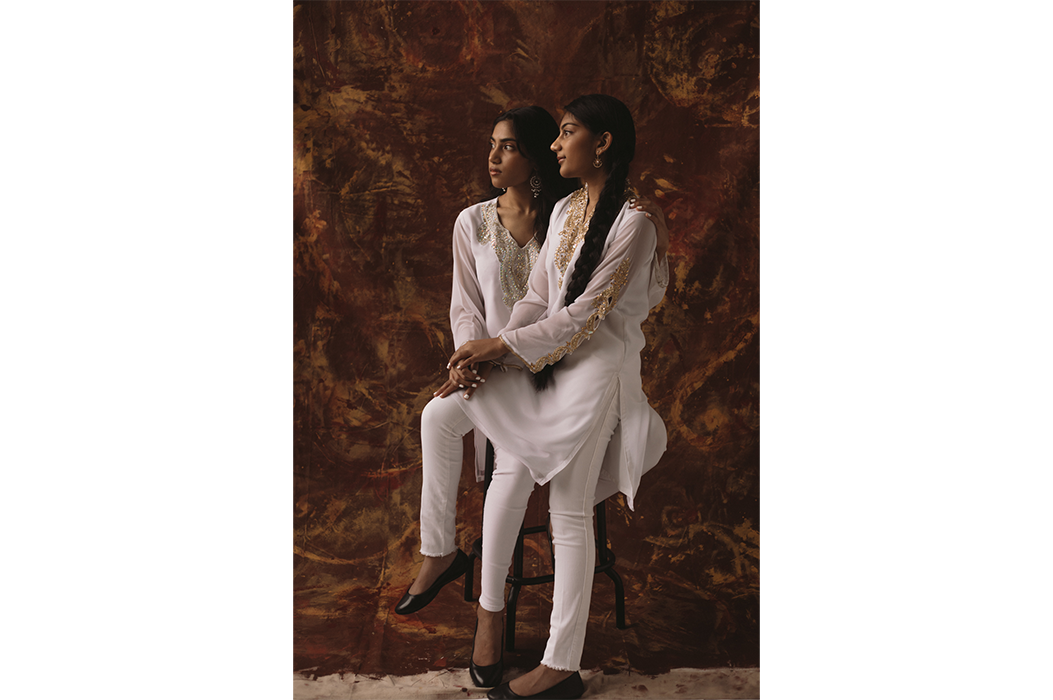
point(412, 603)
point(486, 676)
point(570, 688)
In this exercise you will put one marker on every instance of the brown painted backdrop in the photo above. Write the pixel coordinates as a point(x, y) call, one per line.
point(393, 103)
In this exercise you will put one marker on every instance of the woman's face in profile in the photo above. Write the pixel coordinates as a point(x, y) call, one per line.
point(575, 148)
point(508, 167)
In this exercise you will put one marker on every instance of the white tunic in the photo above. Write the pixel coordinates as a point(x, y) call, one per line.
point(598, 338)
point(490, 274)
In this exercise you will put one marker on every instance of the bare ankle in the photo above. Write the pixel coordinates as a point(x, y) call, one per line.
point(430, 570)
point(483, 613)
point(439, 561)
point(487, 646)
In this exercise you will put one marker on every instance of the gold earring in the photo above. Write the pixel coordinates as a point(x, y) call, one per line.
point(535, 186)
point(598, 163)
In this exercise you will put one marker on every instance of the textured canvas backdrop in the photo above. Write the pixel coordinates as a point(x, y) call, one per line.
point(393, 103)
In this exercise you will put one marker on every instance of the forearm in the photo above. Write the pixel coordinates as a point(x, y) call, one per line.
point(476, 351)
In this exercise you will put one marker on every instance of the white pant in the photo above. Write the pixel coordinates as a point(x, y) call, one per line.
point(572, 494)
point(442, 425)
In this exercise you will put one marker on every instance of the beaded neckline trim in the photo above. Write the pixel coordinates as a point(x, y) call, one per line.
point(515, 262)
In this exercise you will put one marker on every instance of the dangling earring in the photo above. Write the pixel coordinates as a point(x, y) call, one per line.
point(535, 186)
point(598, 163)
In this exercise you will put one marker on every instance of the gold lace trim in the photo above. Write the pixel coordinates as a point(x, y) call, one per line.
point(603, 303)
point(575, 226)
point(515, 263)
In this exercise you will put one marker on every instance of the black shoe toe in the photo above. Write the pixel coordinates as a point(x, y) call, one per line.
point(412, 603)
point(570, 688)
point(486, 676)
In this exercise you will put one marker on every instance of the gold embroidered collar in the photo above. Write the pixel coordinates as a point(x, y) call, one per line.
point(515, 262)
point(574, 228)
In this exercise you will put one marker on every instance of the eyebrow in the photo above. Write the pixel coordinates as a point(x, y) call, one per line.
point(567, 123)
point(504, 140)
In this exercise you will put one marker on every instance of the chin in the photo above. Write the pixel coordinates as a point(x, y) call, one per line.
point(568, 172)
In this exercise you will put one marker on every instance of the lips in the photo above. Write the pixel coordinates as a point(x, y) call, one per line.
point(495, 172)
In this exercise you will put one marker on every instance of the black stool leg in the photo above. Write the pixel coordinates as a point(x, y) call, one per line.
point(607, 557)
point(619, 599)
point(469, 579)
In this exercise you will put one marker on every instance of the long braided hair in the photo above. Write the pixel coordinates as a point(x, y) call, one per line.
point(535, 130)
point(599, 113)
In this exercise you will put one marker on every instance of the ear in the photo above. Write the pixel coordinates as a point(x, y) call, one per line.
point(604, 142)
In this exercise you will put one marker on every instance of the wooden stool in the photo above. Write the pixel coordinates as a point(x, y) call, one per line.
point(517, 579)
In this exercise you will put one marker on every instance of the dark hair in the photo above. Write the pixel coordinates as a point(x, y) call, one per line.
point(599, 113)
point(535, 130)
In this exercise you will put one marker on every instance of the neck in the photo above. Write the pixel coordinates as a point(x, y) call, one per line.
point(594, 183)
point(519, 198)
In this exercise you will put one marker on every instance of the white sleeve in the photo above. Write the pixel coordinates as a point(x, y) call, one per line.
point(467, 309)
point(546, 341)
point(659, 280)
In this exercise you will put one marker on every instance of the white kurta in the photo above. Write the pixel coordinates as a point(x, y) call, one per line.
point(490, 274)
point(599, 340)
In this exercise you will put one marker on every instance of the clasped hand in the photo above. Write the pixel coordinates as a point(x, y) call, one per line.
point(469, 367)
point(468, 379)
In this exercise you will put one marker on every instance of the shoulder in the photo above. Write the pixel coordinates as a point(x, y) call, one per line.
point(575, 197)
point(471, 217)
point(631, 228)
point(631, 218)
point(474, 212)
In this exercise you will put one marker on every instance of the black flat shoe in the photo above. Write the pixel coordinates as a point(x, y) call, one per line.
point(412, 603)
point(486, 676)
point(569, 689)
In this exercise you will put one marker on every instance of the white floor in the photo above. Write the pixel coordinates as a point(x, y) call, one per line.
point(683, 684)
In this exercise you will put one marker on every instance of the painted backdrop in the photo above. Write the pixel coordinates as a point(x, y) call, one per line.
point(393, 103)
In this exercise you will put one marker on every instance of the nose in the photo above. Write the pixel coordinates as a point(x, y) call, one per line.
point(494, 152)
point(554, 146)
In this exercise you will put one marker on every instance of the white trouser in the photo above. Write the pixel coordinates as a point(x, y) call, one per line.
point(442, 425)
point(570, 502)
point(572, 494)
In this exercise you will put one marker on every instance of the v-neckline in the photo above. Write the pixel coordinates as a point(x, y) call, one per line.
point(497, 220)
